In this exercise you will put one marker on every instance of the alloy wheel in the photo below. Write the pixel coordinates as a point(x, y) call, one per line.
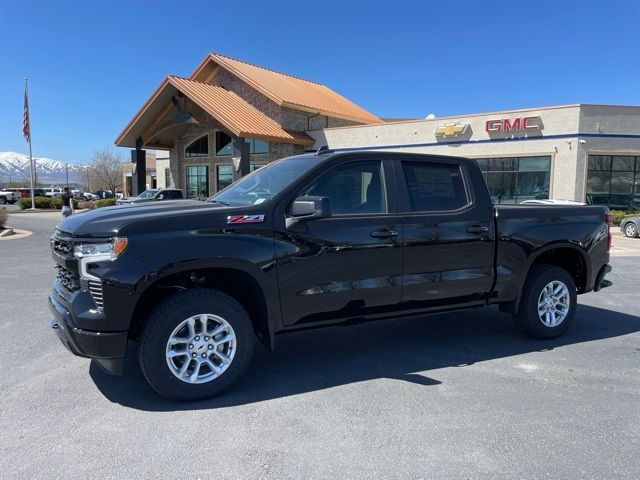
point(201, 348)
point(553, 304)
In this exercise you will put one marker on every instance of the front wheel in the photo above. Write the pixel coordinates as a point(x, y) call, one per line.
point(630, 230)
point(195, 344)
point(548, 302)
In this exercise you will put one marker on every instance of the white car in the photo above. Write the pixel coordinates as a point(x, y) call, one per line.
point(91, 196)
point(78, 194)
point(8, 197)
point(53, 192)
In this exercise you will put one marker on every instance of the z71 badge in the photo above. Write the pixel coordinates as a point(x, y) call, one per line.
point(233, 219)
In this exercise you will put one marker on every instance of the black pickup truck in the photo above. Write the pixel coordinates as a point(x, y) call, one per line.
point(308, 241)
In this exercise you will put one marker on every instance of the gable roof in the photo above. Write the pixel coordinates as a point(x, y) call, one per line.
point(289, 91)
point(233, 112)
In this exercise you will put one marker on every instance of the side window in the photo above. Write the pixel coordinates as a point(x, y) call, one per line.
point(353, 188)
point(434, 187)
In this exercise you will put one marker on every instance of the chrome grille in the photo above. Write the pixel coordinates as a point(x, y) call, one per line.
point(67, 278)
point(95, 288)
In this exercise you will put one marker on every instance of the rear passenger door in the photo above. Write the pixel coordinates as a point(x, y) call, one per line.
point(448, 233)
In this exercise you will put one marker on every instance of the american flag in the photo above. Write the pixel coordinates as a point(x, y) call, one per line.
point(26, 129)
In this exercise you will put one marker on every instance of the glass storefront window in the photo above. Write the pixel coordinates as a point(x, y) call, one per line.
point(224, 176)
point(197, 181)
point(614, 181)
point(199, 148)
point(224, 147)
point(515, 179)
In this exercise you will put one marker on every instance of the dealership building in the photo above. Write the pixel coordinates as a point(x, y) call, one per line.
point(230, 117)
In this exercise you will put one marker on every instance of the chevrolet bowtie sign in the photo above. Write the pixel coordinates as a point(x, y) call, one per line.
point(451, 129)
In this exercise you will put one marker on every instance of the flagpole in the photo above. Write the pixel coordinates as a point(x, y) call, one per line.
point(26, 95)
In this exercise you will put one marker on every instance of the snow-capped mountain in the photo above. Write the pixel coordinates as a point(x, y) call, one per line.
point(15, 167)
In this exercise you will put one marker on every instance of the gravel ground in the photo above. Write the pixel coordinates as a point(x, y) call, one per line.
point(460, 396)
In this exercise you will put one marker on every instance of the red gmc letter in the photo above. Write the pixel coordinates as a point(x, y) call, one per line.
point(493, 126)
point(530, 123)
point(508, 126)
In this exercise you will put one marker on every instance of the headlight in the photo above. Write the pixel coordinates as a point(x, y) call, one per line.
point(106, 251)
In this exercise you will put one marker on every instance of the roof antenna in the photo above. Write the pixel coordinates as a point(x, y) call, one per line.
point(323, 149)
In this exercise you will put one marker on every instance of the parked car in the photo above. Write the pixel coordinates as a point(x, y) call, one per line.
point(88, 196)
point(630, 227)
point(153, 195)
point(53, 192)
point(308, 241)
point(24, 192)
point(9, 197)
point(104, 194)
point(78, 194)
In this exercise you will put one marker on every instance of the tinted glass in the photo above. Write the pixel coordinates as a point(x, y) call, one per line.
point(197, 181)
point(223, 144)
point(225, 176)
point(199, 148)
point(266, 182)
point(599, 162)
point(534, 164)
point(353, 188)
point(622, 163)
point(434, 188)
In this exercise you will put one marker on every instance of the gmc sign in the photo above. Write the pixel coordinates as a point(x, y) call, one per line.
point(513, 125)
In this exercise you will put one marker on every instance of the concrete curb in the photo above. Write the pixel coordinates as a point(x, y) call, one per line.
point(17, 234)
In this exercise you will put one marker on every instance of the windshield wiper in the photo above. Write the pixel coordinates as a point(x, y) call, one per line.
point(226, 204)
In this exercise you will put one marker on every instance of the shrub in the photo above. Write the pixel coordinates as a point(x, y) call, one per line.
point(106, 202)
point(41, 202)
point(90, 204)
point(618, 215)
point(4, 215)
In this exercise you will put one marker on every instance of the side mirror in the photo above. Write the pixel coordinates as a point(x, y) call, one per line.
point(309, 208)
point(160, 197)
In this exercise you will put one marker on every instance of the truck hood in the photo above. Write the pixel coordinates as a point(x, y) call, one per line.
point(109, 221)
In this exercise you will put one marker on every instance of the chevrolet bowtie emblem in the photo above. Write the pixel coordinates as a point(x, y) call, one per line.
point(451, 130)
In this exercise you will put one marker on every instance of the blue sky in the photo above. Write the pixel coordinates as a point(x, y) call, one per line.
point(92, 64)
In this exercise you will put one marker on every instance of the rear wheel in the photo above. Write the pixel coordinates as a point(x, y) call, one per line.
point(195, 344)
point(3, 200)
point(630, 230)
point(548, 302)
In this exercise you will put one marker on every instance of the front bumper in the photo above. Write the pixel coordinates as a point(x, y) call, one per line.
point(108, 348)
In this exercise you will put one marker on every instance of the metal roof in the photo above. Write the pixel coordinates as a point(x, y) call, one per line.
point(230, 110)
point(241, 118)
point(289, 91)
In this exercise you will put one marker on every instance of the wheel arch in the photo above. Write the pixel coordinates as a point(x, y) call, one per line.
point(236, 280)
point(567, 256)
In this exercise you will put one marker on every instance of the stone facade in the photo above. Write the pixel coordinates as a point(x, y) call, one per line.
point(288, 118)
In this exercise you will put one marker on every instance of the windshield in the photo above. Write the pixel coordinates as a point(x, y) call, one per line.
point(148, 194)
point(266, 182)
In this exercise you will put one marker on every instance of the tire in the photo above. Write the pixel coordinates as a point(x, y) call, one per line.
point(631, 230)
point(161, 371)
point(3, 200)
point(557, 321)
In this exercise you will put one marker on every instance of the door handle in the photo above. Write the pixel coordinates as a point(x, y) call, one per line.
point(477, 229)
point(384, 234)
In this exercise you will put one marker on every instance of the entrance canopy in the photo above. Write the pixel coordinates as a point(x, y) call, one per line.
point(165, 116)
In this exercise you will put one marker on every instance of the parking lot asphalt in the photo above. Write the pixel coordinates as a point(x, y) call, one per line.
point(461, 395)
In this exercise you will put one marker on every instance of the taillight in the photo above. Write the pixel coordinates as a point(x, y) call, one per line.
point(608, 219)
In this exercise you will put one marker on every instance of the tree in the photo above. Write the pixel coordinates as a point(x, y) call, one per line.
point(105, 170)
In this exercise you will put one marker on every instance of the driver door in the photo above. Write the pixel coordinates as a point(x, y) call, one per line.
point(349, 264)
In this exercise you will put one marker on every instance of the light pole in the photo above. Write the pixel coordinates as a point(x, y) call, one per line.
point(66, 166)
